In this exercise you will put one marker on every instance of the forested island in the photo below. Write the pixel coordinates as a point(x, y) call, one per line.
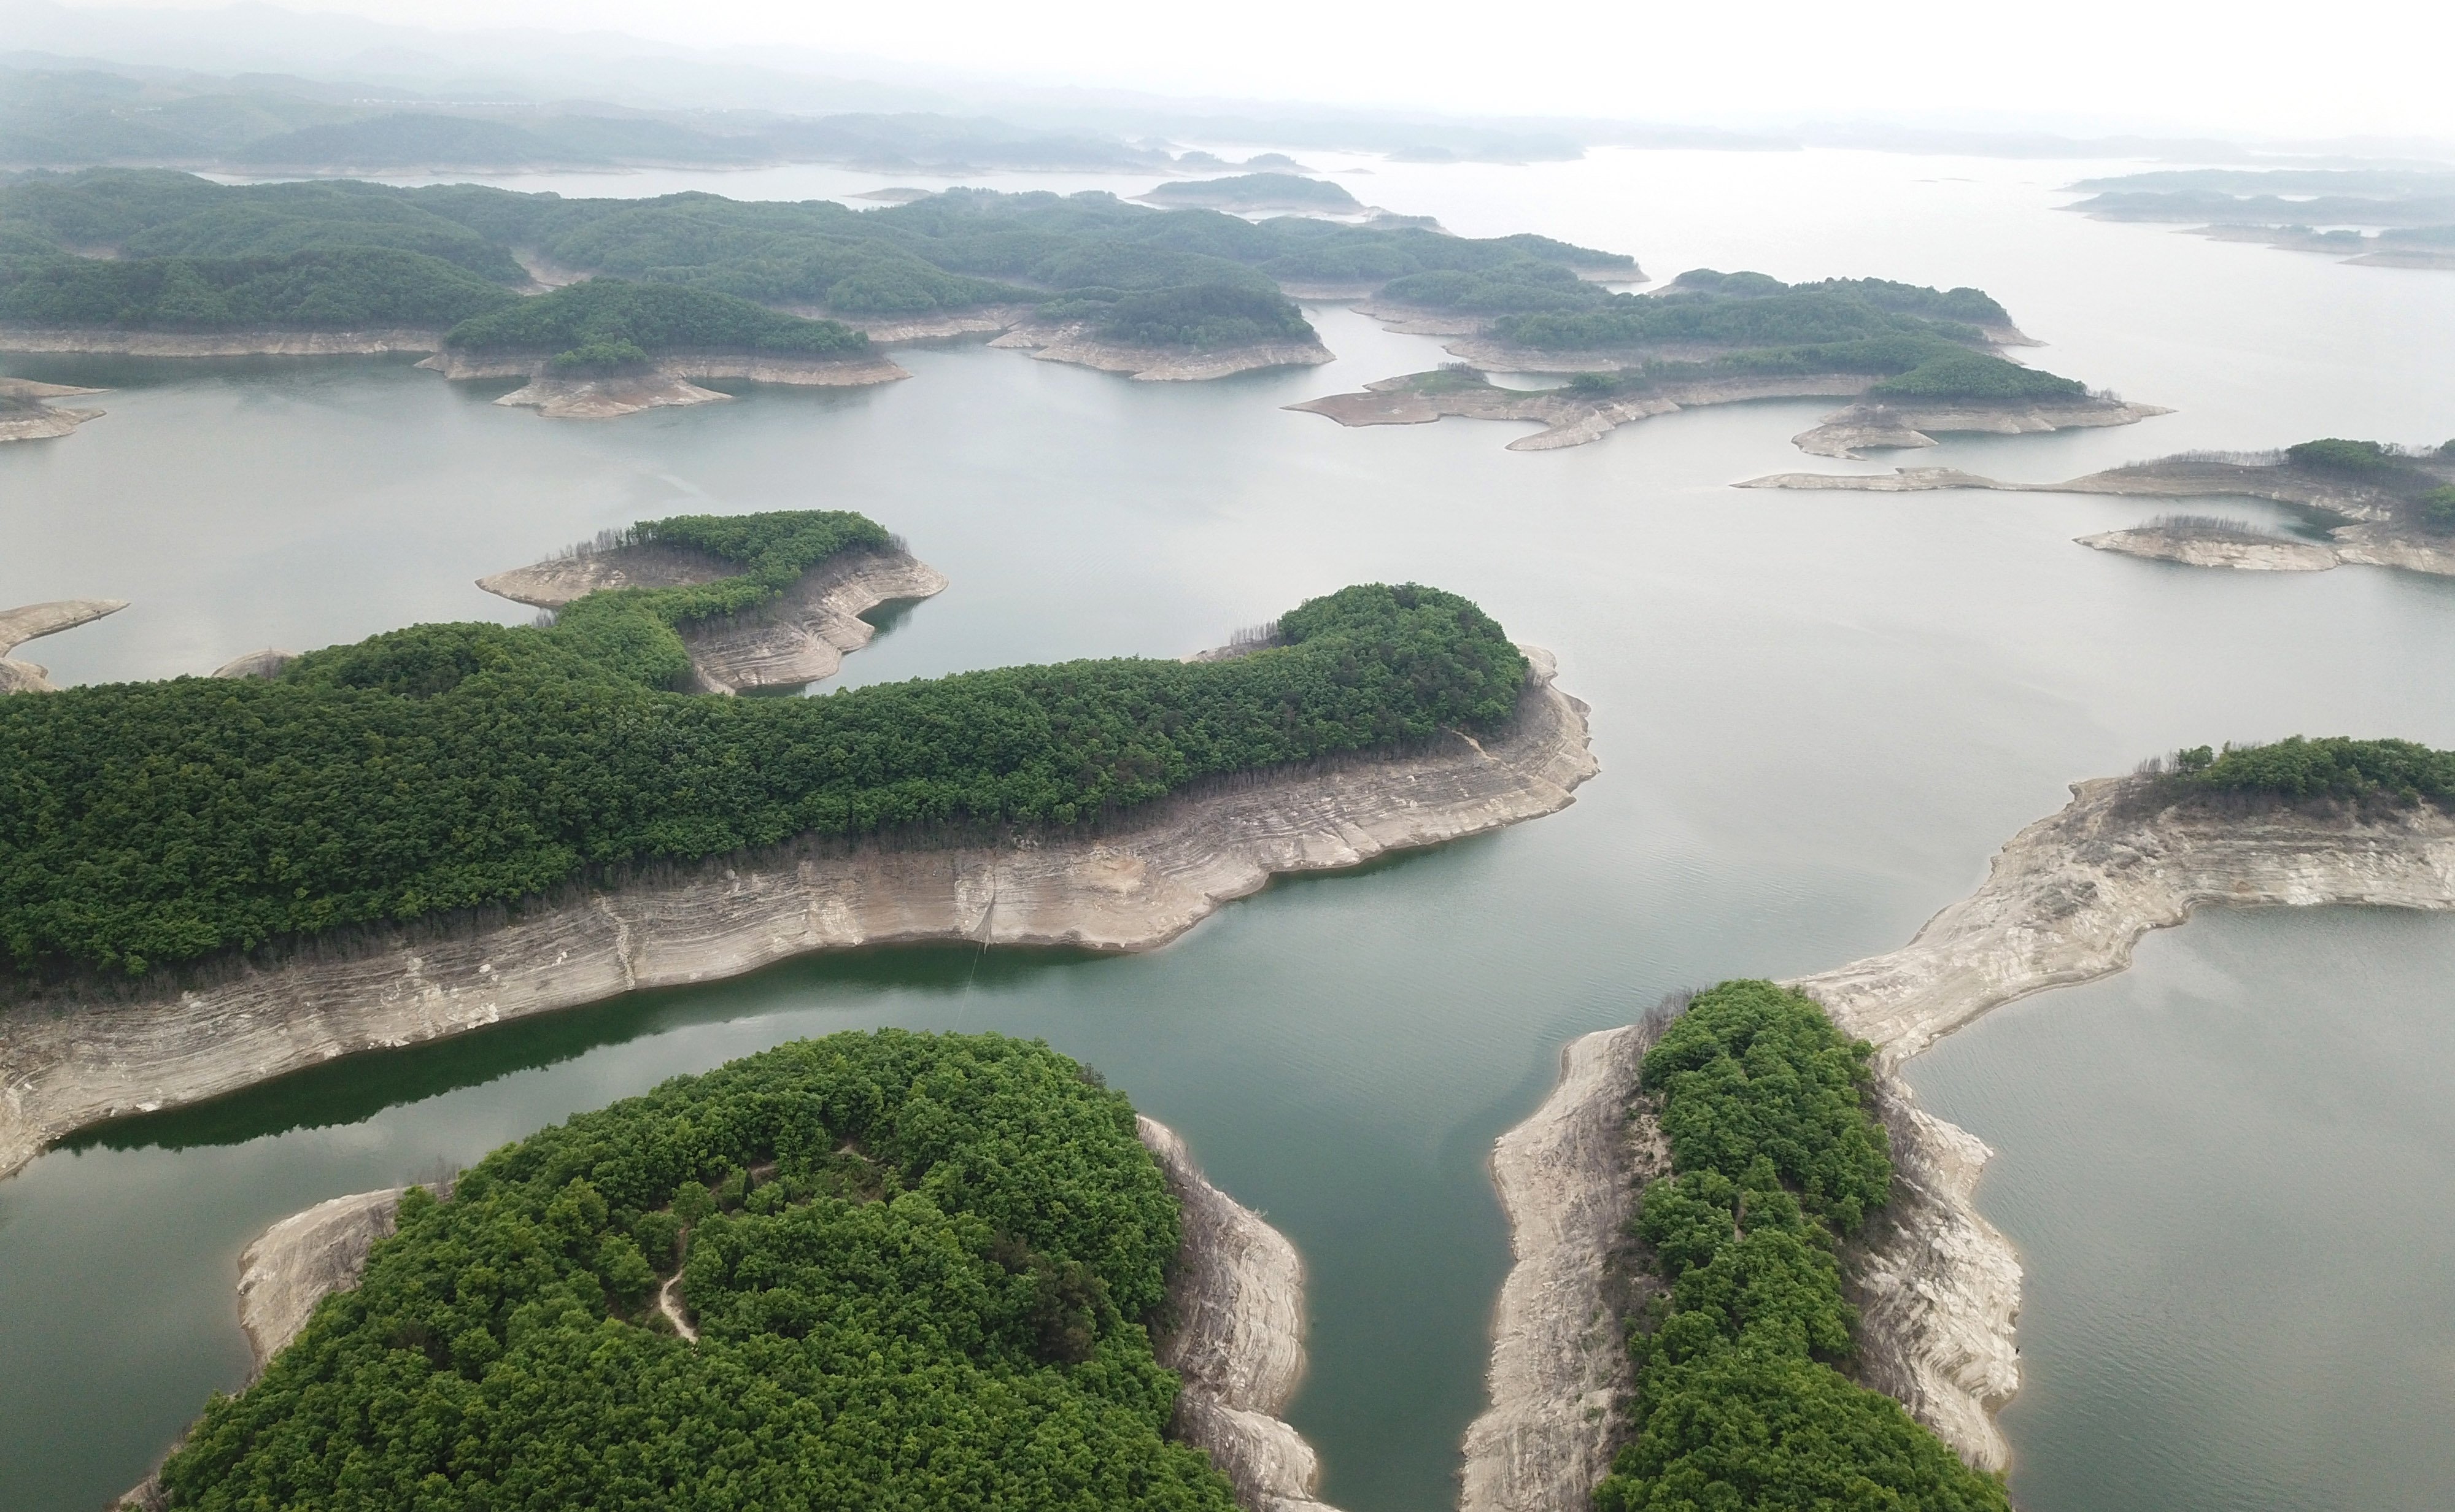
point(937, 1263)
point(2366, 502)
point(1744, 1183)
point(165, 262)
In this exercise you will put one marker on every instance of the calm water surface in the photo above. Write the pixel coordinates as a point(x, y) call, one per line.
point(1818, 715)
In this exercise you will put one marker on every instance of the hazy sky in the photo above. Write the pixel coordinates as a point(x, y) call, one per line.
point(2260, 66)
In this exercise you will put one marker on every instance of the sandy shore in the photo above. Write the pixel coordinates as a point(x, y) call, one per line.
point(2065, 903)
point(1237, 1293)
point(673, 379)
point(799, 640)
point(67, 1062)
point(33, 621)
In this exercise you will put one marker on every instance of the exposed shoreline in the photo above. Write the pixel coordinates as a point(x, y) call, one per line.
point(1074, 344)
point(802, 638)
point(671, 378)
point(2369, 532)
point(1237, 1293)
point(105, 341)
point(32, 622)
point(2065, 903)
point(69, 1061)
point(26, 414)
point(1575, 419)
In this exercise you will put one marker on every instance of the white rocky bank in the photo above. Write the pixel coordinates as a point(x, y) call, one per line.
point(1938, 1287)
point(66, 1063)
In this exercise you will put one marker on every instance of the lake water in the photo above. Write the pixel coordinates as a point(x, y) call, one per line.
point(1817, 715)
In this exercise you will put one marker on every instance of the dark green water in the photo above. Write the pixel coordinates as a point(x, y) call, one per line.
point(1817, 715)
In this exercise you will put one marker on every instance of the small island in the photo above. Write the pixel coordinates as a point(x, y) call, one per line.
point(1291, 192)
point(2284, 208)
point(935, 1262)
point(448, 826)
point(2366, 502)
point(798, 637)
point(1936, 1289)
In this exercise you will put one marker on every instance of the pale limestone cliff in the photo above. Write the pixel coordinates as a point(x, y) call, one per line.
point(103, 341)
point(67, 1062)
point(801, 638)
point(26, 413)
point(1075, 344)
point(33, 621)
point(1237, 1296)
point(1568, 1179)
point(1236, 1293)
point(1938, 1286)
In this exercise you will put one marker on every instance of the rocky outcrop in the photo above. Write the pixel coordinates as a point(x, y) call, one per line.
point(2244, 551)
point(1938, 1287)
point(1573, 417)
point(1075, 344)
point(107, 342)
point(1569, 417)
point(563, 396)
point(298, 1262)
point(1236, 1293)
point(68, 1062)
point(266, 663)
point(799, 638)
point(32, 622)
point(1237, 1296)
point(1886, 427)
point(25, 416)
point(942, 325)
point(2374, 531)
point(1568, 1179)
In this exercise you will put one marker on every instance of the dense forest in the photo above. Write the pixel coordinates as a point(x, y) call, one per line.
point(1776, 1159)
point(609, 314)
point(958, 250)
point(2417, 483)
point(340, 288)
point(441, 767)
point(918, 1267)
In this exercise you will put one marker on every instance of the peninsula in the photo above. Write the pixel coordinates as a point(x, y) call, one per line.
point(26, 416)
point(536, 853)
point(2369, 503)
point(1594, 404)
point(2296, 824)
point(32, 621)
point(761, 1222)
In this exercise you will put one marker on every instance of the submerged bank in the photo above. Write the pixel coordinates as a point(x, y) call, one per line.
point(70, 1061)
point(1938, 1286)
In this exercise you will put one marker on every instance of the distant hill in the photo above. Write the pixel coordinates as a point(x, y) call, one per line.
point(1257, 191)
